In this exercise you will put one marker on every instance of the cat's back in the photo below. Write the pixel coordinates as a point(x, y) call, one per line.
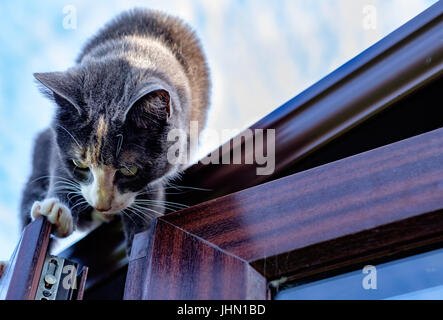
point(174, 33)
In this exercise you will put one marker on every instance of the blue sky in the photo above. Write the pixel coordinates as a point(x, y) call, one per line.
point(261, 54)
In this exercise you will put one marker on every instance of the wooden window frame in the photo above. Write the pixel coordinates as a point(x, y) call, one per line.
point(20, 278)
point(389, 72)
point(380, 202)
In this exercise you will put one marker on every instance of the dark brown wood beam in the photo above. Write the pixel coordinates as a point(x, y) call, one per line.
point(20, 279)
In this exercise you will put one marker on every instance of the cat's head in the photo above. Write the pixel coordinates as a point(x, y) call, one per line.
point(111, 128)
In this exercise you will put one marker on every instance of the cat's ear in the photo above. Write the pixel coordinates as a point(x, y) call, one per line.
point(61, 87)
point(149, 107)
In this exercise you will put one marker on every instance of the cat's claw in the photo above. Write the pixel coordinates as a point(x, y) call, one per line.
point(56, 213)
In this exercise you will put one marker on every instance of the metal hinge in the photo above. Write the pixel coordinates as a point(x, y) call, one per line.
point(60, 280)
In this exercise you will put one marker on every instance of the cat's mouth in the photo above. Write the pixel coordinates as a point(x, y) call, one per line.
point(103, 217)
point(106, 212)
point(113, 210)
point(109, 205)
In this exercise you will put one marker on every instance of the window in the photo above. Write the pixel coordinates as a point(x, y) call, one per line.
point(416, 277)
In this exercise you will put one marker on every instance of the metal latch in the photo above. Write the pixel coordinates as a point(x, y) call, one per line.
point(60, 280)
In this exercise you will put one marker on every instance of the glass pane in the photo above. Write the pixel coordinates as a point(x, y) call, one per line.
point(415, 277)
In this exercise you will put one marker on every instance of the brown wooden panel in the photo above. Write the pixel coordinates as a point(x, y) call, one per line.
point(23, 271)
point(382, 201)
point(138, 266)
point(181, 266)
point(392, 182)
point(82, 283)
point(395, 238)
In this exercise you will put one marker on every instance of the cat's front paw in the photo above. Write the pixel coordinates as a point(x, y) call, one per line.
point(57, 214)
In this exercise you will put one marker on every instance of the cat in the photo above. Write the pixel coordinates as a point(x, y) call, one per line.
point(105, 152)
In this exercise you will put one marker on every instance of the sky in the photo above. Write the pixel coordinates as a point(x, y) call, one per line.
point(261, 53)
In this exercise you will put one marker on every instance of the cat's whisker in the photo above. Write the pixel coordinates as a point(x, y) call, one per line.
point(66, 186)
point(66, 179)
point(84, 206)
point(161, 207)
point(63, 189)
point(70, 134)
point(172, 209)
point(127, 214)
point(169, 185)
point(75, 192)
point(147, 218)
point(52, 176)
point(143, 211)
point(137, 213)
point(148, 192)
point(159, 202)
point(63, 178)
point(80, 202)
point(68, 183)
point(157, 214)
point(176, 186)
point(162, 201)
point(64, 183)
point(68, 195)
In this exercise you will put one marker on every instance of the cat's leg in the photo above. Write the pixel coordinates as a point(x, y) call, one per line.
point(57, 214)
point(37, 198)
point(36, 188)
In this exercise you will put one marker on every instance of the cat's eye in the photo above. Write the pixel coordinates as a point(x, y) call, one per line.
point(131, 171)
point(79, 164)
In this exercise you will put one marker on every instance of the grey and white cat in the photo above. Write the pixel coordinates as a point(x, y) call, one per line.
point(105, 152)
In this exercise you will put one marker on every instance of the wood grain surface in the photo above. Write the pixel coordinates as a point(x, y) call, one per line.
point(383, 201)
point(24, 270)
